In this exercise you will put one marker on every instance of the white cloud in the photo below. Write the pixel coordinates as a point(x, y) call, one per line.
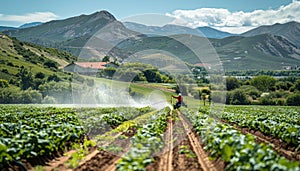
point(236, 22)
point(30, 17)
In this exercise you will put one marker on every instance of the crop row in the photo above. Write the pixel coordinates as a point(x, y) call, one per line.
point(280, 122)
point(239, 151)
point(147, 141)
point(97, 121)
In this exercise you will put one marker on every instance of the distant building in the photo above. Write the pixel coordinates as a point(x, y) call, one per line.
point(86, 68)
point(287, 67)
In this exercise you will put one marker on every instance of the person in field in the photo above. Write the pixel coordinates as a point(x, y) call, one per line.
point(179, 102)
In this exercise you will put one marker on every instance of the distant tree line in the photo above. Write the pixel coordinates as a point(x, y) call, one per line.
point(133, 72)
point(286, 73)
point(260, 90)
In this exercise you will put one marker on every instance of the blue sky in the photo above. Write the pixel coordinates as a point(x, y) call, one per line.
point(219, 14)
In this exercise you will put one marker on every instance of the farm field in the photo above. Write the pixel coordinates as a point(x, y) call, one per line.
point(127, 138)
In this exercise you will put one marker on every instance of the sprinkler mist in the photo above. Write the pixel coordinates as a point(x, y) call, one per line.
point(157, 100)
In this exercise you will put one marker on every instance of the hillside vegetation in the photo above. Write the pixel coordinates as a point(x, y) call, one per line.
point(31, 74)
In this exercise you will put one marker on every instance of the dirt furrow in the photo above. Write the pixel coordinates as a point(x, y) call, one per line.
point(202, 156)
point(165, 162)
point(59, 161)
point(184, 157)
point(102, 161)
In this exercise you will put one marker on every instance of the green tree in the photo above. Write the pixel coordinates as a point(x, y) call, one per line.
point(49, 100)
point(263, 82)
point(53, 77)
point(152, 75)
point(40, 75)
point(51, 64)
point(105, 59)
point(238, 97)
point(232, 83)
point(8, 94)
point(109, 71)
point(30, 96)
point(293, 100)
point(297, 85)
point(26, 78)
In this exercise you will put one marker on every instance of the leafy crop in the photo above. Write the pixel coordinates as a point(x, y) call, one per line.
point(97, 121)
point(239, 151)
point(146, 142)
point(280, 122)
point(29, 132)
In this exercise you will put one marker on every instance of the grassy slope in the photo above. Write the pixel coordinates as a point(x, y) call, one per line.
point(11, 61)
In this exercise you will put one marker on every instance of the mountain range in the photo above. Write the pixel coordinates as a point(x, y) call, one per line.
point(26, 25)
point(170, 29)
point(100, 34)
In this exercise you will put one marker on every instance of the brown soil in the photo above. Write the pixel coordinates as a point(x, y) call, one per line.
point(102, 161)
point(185, 152)
point(187, 160)
point(202, 155)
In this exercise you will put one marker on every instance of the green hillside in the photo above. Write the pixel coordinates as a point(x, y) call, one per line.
point(14, 54)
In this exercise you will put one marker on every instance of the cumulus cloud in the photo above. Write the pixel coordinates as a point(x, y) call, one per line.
point(30, 17)
point(223, 19)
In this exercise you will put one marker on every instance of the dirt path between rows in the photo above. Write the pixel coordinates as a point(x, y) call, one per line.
point(203, 158)
point(165, 163)
point(183, 151)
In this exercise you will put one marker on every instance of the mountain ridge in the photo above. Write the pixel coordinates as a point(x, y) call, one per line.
point(290, 30)
point(170, 29)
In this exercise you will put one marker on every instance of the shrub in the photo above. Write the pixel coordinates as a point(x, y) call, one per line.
point(40, 75)
point(232, 83)
point(280, 102)
point(266, 100)
point(293, 100)
point(5, 71)
point(238, 97)
point(30, 96)
point(53, 77)
point(51, 64)
point(263, 82)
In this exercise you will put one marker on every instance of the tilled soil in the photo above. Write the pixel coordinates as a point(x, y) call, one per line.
point(184, 158)
point(184, 154)
point(102, 161)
